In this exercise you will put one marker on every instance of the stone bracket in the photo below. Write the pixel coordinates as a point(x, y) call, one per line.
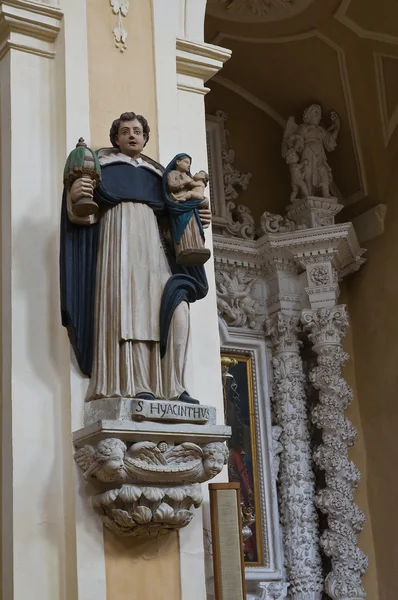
point(148, 474)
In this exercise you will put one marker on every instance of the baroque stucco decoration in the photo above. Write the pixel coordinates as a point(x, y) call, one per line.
point(235, 219)
point(235, 302)
point(121, 9)
point(297, 262)
point(296, 478)
point(148, 488)
point(327, 329)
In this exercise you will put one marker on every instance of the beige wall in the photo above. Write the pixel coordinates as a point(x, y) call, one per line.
point(119, 82)
point(256, 139)
point(373, 300)
point(140, 569)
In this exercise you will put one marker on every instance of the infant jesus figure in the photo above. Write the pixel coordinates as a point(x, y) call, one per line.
point(185, 195)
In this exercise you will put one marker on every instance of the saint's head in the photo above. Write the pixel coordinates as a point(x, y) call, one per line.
point(313, 115)
point(130, 133)
point(183, 164)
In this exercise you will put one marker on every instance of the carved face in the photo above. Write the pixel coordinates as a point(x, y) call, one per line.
point(313, 115)
point(214, 463)
point(131, 138)
point(184, 164)
point(115, 462)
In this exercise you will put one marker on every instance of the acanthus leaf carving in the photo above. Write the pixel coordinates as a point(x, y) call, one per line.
point(271, 223)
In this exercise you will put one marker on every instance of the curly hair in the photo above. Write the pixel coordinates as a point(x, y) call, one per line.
point(105, 448)
point(128, 116)
point(215, 448)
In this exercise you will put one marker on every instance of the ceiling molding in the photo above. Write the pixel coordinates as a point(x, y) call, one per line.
point(254, 100)
point(256, 11)
point(341, 16)
point(345, 80)
point(344, 76)
point(388, 123)
point(252, 40)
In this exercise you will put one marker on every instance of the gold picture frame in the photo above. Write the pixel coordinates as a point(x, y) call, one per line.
point(243, 464)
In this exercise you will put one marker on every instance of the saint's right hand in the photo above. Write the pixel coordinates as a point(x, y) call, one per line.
point(81, 188)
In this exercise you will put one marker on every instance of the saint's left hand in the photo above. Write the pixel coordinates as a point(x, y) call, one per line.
point(205, 217)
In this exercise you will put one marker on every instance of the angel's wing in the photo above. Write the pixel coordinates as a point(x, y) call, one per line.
point(85, 458)
point(185, 452)
point(290, 129)
point(147, 452)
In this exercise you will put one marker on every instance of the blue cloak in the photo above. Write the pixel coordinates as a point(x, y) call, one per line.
point(180, 212)
point(121, 182)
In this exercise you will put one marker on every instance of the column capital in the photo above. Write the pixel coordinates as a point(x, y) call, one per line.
point(283, 330)
point(327, 326)
point(30, 27)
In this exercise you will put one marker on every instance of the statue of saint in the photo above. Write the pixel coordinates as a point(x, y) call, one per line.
point(304, 148)
point(124, 298)
point(185, 196)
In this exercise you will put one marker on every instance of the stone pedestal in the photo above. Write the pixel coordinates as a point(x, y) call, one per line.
point(313, 212)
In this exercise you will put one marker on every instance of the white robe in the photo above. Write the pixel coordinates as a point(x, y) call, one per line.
point(132, 271)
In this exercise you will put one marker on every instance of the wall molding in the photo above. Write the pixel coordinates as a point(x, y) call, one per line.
point(388, 123)
point(30, 27)
point(341, 16)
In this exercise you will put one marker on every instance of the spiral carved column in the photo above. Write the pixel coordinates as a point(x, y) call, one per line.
point(296, 479)
point(327, 327)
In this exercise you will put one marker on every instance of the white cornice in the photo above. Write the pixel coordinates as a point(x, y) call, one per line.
point(29, 27)
point(198, 61)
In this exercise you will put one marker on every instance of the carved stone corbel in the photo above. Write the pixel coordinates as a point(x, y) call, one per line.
point(148, 488)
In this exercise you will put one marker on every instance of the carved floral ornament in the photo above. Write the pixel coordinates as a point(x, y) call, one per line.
point(121, 9)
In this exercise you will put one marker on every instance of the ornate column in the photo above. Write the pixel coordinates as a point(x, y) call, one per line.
point(327, 327)
point(296, 479)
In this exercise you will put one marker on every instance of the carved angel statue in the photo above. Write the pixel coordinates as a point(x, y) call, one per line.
point(304, 148)
point(234, 301)
point(148, 462)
